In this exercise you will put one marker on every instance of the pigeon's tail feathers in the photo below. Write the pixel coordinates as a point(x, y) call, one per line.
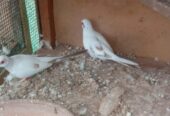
point(74, 54)
point(50, 59)
point(69, 56)
point(60, 58)
point(123, 61)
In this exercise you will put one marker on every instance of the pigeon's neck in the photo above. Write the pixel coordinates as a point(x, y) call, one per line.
point(9, 65)
point(88, 30)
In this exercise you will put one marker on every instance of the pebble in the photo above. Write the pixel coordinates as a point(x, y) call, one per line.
point(59, 96)
point(82, 111)
point(128, 114)
point(146, 78)
point(82, 65)
point(161, 95)
point(107, 82)
point(1, 108)
point(168, 109)
point(66, 64)
point(69, 82)
point(156, 59)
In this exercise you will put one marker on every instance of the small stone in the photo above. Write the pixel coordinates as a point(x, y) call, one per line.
point(109, 74)
point(168, 63)
point(60, 96)
point(166, 81)
point(68, 70)
point(69, 93)
point(168, 109)
point(95, 74)
point(156, 59)
point(69, 48)
point(52, 91)
point(72, 75)
point(161, 95)
point(82, 65)
point(82, 111)
point(130, 78)
point(32, 94)
point(107, 82)
point(145, 112)
point(66, 64)
point(146, 78)
point(61, 69)
point(69, 82)
point(1, 108)
point(61, 103)
point(128, 114)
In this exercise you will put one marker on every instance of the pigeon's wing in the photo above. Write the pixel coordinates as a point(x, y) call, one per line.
point(103, 41)
point(27, 65)
point(97, 48)
point(100, 47)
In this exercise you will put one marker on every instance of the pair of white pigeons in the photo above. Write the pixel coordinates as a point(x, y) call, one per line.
point(24, 66)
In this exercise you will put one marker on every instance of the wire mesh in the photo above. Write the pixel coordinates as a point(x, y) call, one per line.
point(166, 2)
point(33, 23)
point(11, 32)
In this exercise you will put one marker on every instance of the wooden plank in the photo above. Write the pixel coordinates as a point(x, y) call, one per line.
point(140, 32)
point(46, 16)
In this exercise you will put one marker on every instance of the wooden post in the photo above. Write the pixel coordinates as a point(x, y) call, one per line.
point(46, 16)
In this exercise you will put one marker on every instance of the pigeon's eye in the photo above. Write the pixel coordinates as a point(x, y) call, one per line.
point(2, 62)
point(82, 24)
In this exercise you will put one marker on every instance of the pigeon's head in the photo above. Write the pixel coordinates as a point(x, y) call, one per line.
point(86, 24)
point(4, 60)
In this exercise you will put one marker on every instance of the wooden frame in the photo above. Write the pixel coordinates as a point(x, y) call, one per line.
point(26, 34)
point(46, 16)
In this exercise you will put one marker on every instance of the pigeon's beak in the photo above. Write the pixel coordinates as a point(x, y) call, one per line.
point(82, 24)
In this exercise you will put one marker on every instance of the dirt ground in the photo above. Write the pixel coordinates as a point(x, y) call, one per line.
point(88, 87)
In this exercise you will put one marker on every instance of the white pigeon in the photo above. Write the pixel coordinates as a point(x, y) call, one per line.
point(98, 47)
point(24, 66)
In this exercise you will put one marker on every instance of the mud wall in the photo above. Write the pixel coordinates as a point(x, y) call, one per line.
point(129, 26)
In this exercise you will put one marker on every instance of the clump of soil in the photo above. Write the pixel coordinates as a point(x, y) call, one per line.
point(89, 87)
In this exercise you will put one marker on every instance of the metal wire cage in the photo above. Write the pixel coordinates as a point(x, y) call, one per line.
point(19, 25)
point(19, 29)
point(167, 2)
point(11, 34)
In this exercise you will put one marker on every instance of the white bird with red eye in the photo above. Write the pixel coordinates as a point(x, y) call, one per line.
point(24, 66)
point(98, 47)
